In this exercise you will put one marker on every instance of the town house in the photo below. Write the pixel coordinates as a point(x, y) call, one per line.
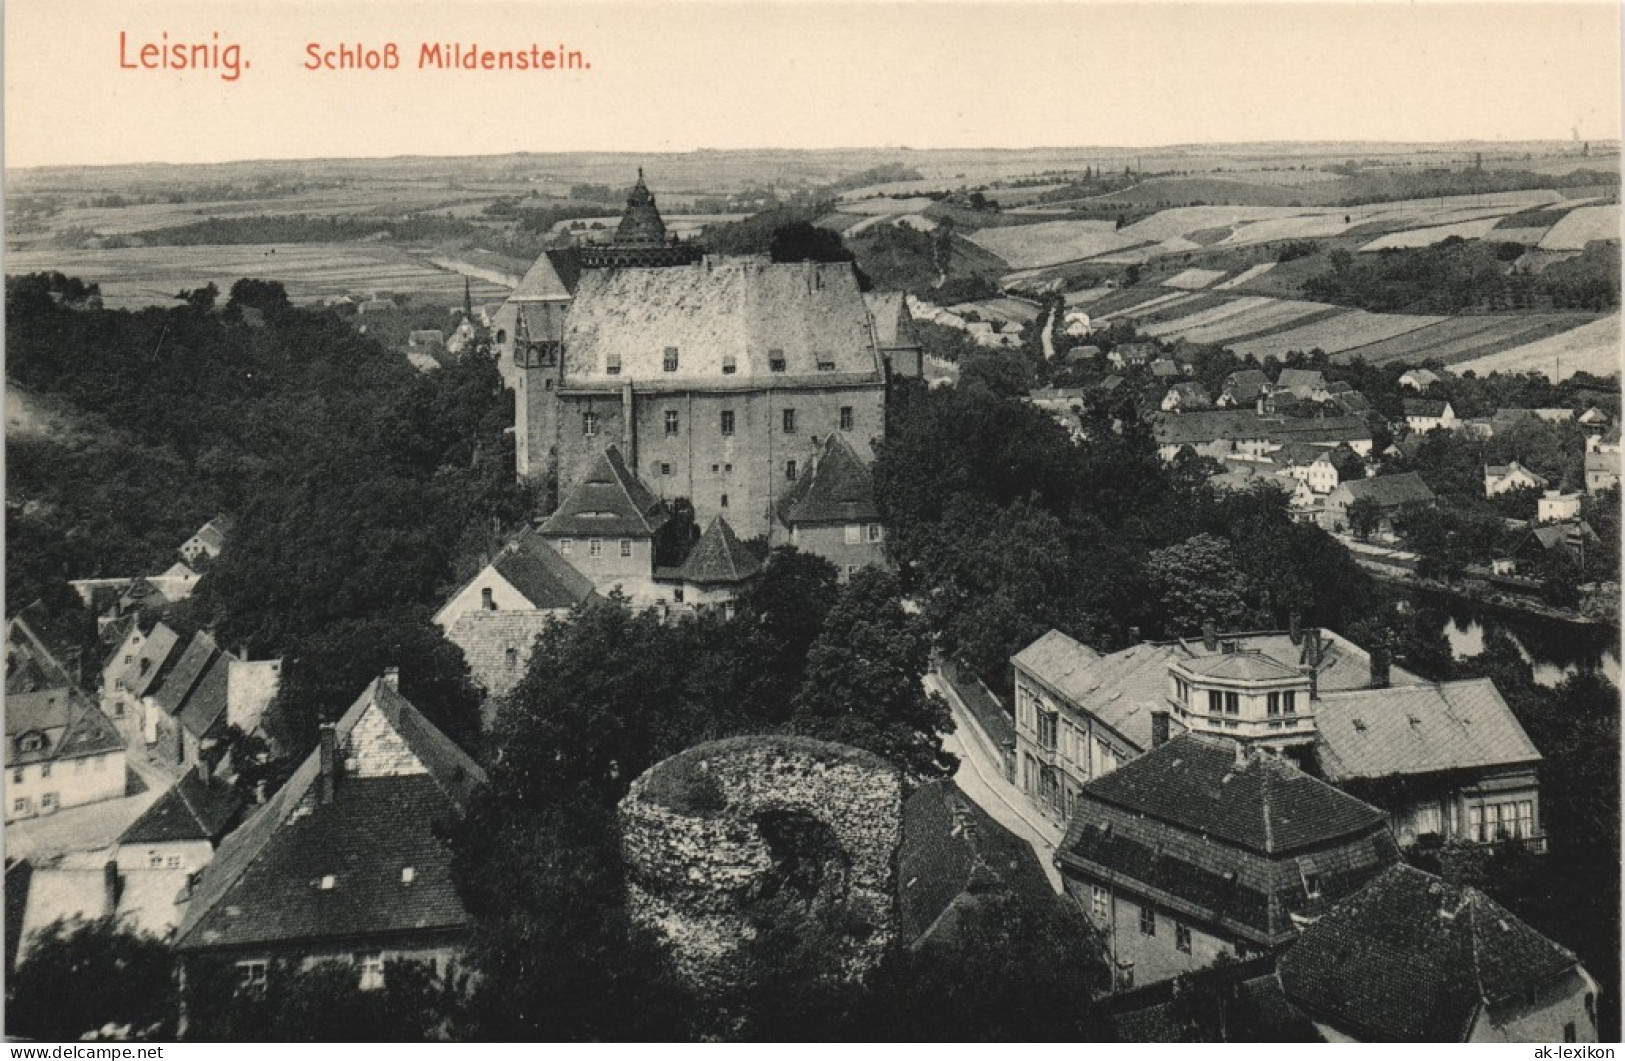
point(1204, 847)
point(344, 862)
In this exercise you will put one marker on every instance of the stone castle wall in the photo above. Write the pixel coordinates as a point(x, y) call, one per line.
point(697, 857)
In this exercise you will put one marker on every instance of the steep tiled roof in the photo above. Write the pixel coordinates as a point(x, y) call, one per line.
point(952, 854)
point(1257, 801)
point(837, 489)
point(1300, 377)
point(1418, 729)
point(1245, 384)
point(73, 726)
point(719, 557)
point(1410, 958)
point(154, 652)
point(893, 325)
point(717, 309)
point(1390, 490)
point(1424, 407)
point(193, 809)
point(188, 670)
point(610, 500)
point(547, 580)
point(30, 663)
point(264, 886)
point(206, 703)
point(541, 283)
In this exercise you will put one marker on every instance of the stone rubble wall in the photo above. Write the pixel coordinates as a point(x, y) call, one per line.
point(693, 869)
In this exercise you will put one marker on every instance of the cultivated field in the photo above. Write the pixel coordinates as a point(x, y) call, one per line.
point(1334, 334)
point(1581, 226)
point(1427, 237)
point(1192, 279)
point(1053, 242)
point(136, 277)
point(1593, 348)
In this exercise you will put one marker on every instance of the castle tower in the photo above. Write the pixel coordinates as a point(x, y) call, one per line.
point(641, 224)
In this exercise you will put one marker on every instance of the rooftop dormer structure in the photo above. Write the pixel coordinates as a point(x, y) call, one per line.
point(1245, 695)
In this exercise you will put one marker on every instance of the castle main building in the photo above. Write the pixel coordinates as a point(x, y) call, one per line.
point(718, 381)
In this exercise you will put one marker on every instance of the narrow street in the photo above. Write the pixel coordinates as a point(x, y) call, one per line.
point(982, 779)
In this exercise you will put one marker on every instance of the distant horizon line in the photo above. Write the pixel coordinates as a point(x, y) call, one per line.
point(1110, 149)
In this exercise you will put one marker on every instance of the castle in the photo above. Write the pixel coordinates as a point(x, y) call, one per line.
point(718, 380)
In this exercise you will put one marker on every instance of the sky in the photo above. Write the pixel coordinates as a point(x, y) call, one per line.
point(688, 75)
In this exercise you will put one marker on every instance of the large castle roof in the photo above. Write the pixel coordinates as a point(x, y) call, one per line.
point(733, 322)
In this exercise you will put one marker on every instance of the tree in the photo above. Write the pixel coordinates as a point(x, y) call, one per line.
point(802, 241)
point(1349, 464)
point(1365, 516)
point(324, 1003)
point(79, 976)
point(268, 296)
point(1016, 969)
point(863, 683)
point(1197, 581)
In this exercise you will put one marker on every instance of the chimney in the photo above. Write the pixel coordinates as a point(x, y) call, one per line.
point(1159, 728)
point(392, 678)
point(1260, 405)
point(1314, 646)
point(1295, 627)
point(1210, 636)
point(111, 882)
point(202, 768)
point(1314, 681)
point(329, 760)
point(1134, 635)
point(1380, 661)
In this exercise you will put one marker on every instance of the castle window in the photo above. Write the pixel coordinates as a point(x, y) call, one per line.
point(589, 423)
point(565, 545)
point(1098, 899)
point(790, 470)
point(595, 547)
point(1047, 725)
point(854, 534)
point(826, 362)
point(502, 335)
point(1148, 921)
point(670, 362)
point(47, 802)
point(22, 806)
point(1273, 704)
point(1232, 703)
point(846, 418)
point(789, 421)
point(626, 547)
point(671, 421)
point(547, 384)
point(665, 469)
point(1289, 702)
point(724, 502)
point(510, 656)
point(1215, 702)
point(486, 601)
point(876, 532)
point(775, 360)
point(729, 365)
point(677, 594)
point(727, 423)
point(1182, 937)
point(17, 777)
point(45, 770)
point(612, 364)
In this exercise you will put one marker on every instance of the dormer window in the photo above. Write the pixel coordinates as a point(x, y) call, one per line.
point(487, 602)
point(31, 742)
point(327, 883)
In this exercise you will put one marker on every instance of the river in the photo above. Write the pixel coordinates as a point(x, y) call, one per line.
point(1555, 649)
